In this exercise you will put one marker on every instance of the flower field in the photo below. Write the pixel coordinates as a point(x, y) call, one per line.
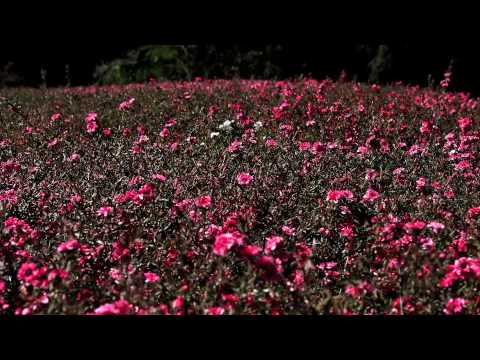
point(239, 197)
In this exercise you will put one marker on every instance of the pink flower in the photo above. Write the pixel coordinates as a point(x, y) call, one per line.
point(76, 199)
point(462, 165)
point(288, 230)
point(170, 123)
point(371, 175)
point(474, 212)
point(271, 265)
point(316, 148)
point(136, 150)
point(159, 177)
point(107, 132)
point(436, 226)
point(421, 182)
point(26, 272)
point(146, 193)
point(104, 211)
point(91, 117)
point(335, 195)
point(371, 195)
point(164, 133)
point(298, 280)
point(215, 311)
point(151, 277)
point(414, 226)
point(178, 303)
point(270, 143)
point(304, 146)
point(272, 243)
point(462, 269)
point(465, 123)
point(115, 274)
point(225, 241)
point(203, 202)
point(398, 171)
point(455, 306)
point(461, 242)
point(52, 143)
point(251, 250)
point(69, 245)
point(347, 232)
point(362, 150)
point(55, 117)
point(426, 127)
point(244, 179)
point(234, 146)
point(126, 105)
point(74, 157)
point(120, 307)
point(352, 291)
point(92, 127)
point(230, 298)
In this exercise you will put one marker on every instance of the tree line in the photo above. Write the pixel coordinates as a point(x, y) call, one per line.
point(376, 63)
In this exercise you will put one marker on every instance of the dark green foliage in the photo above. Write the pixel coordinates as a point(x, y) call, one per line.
point(184, 62)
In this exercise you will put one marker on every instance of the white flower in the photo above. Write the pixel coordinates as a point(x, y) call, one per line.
point(227, 125)
point(258, 125)
point(213, 134)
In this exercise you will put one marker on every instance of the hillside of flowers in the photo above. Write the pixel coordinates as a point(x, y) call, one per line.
point(239, 197)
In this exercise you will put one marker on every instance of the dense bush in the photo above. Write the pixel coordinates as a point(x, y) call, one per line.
point(184, 62)
point(239, 197)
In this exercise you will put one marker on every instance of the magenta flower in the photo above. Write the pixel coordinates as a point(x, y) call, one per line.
point(436, 226)
point(414, 226)
point(270, 143)
point(69, 245)
point(91, 117)
point(455, 306)
point(244, 179)
point(92, 127)
point(151, 277)
point(336, 195)
point(74, 157)
point(215, 311)
point(104, 211)
point(371, 195)
point(251, 250)
point(164, 133)
point(126, 105)
point(474, 212)
point(304, 146)
point(462, 165)
point(203, 202)
point(225, 241)
point(465, 123)
point(120, 307)
point(159, 177)
point(178, 303)
point(287, 230)
point(234, 146)
point(55, 117)
point(52, 143)
point(272, 243)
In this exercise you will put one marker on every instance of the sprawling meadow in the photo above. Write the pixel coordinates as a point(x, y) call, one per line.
point(239, 197)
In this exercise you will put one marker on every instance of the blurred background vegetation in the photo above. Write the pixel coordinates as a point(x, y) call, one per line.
point(376, 63)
